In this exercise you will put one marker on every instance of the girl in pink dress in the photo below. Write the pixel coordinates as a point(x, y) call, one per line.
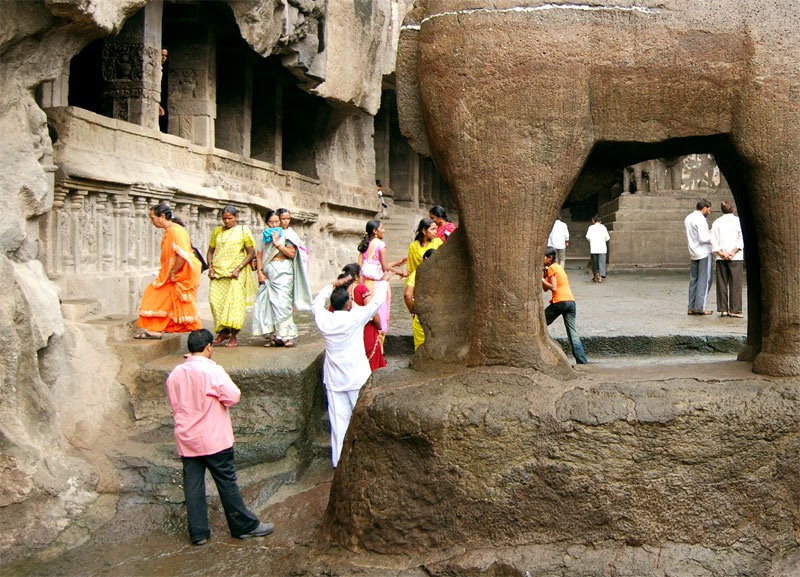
point(373, 263)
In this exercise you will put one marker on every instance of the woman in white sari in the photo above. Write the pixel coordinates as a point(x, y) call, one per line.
point(283, 281)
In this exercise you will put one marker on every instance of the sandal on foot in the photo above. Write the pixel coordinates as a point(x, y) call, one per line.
point(736, 315)
point(723, 313)
point(233, 343)
point(146, 336)
point(289, 343)
point(221, 338)
point(272, 344)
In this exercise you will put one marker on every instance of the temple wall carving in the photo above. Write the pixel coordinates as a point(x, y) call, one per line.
point(97, 241)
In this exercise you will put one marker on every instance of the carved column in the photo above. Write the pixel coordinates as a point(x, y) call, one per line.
point(234, 103)
point(140, 250)
point(105, 234)
point(132, 68)
point(55, 92)
point(122, 236)
point(73, 256)
point(192, 84)
point(57, 224)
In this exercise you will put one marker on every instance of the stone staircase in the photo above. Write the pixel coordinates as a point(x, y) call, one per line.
point(281, 423)
point(400, 228)
point(647, 229)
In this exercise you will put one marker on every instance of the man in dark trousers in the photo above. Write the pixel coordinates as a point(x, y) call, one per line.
point(200, 392)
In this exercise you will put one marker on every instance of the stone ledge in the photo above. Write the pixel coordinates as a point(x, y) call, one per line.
point(690, 455)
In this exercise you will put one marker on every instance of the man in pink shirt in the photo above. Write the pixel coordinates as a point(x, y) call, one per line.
point(200, 392)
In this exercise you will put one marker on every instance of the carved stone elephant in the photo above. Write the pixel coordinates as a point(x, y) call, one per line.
point(513, 100)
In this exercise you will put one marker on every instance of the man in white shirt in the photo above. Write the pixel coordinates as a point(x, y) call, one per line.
point(728, 245)
point(346, 367)
point(559, 240)
point(597, 235)
point(699, 239)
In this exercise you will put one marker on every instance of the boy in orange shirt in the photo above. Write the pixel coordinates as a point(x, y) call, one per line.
point(554, 278)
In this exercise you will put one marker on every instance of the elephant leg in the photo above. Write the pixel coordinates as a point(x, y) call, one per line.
point(506, 239)
point(771, 145)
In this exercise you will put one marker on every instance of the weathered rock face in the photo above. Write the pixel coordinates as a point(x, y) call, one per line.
point(533, 471)
point(515, 98)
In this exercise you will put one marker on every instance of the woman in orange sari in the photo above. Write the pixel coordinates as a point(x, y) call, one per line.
point(169, 303)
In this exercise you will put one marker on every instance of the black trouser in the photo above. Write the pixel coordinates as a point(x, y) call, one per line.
point(567, 310)
point(240, 519)
point(729, 286)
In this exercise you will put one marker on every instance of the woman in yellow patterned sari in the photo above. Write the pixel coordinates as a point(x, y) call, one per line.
point(169, 303)
point(233, 286)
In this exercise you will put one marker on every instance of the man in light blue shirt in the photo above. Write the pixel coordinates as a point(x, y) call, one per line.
point(699, 238)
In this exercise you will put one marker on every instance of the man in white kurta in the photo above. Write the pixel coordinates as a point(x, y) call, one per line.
point(698, 237)
point(597, 235)
point(559, 240)
point(346, 367)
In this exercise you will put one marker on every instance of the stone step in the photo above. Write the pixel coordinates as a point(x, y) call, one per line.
point(685, 200)
point(664, 345)
point(81, 309)
point(660, 226)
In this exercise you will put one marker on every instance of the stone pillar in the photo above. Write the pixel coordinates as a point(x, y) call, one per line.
point(56, 233)
point(192, 85)
point(132, 69)
point(73, 258)
point(234, 103)
point(105, 234)
point(141, 231)
point(382, 141)
point(55, 92)
point(413, 162)
point(123, 220)
point(278, 160)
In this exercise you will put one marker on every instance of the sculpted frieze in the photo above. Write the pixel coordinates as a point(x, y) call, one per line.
point(123, 62)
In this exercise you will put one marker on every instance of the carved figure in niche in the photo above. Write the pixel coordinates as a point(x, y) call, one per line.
point(185, 83)
point(123, 62)
point(484, 108)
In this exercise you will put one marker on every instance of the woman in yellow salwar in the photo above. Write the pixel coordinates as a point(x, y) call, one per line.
point(233, 286)
point(282, 274)
point(169, 303)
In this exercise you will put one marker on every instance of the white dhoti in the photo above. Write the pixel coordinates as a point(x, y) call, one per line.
point(340, 408)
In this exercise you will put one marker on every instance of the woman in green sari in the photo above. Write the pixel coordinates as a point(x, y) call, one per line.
point(282, 271)
point(233, 285)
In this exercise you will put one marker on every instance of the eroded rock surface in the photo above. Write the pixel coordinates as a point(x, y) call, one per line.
point(520, 466)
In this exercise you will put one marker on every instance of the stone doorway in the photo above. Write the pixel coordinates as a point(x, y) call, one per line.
point(643, 192)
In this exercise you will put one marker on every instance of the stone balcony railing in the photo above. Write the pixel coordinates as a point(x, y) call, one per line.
point(97, 242)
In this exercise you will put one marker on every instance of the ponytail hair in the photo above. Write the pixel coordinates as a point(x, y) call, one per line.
point(423, 225)
point(352, 269)
point(164, 209)
point(372, 226)
point(439, 212)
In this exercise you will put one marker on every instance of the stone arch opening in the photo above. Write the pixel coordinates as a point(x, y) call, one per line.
point(615, 169)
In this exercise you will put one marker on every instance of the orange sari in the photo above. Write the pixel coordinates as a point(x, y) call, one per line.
point(169, 306)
